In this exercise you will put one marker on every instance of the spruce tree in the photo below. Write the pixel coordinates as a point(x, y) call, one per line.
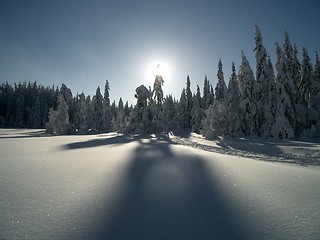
point(315, 96)
point(81, 120)
point(221, 88)
point(19, 108)
point(215, 123)
point(263, 79)
point(248, 109)
point(58, 119)
point(106, 108)
point(296, 74)
point(206, 99)
point(197, 112)
point(182, 111)
point(98, 116)
point(271, 105)
point(189, 104)
point(283, 127)
point(232, 105)
point(306, 79)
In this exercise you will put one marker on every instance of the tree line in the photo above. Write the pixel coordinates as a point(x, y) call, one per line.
point(280, 100)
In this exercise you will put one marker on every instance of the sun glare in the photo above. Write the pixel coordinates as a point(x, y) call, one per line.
point(157, 68)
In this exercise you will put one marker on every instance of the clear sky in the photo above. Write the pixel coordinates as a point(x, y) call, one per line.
point(83, 43)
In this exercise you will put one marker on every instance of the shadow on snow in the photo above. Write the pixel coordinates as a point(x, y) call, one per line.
point(165, 196)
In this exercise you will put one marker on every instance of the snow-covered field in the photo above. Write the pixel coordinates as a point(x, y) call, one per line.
point(112, 186)
point(285, 151)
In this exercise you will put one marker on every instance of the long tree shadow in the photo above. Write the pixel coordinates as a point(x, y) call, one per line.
point(168, 196)
point(97, 142)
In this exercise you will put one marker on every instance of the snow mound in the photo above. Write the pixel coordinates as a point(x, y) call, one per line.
point(285, 151)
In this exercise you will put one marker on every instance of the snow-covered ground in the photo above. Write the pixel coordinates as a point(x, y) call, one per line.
point(111, 186)
point(285, 151)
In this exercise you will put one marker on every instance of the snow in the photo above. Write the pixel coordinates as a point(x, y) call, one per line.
point(142, 92)
point(266, 149)
point(113, 186)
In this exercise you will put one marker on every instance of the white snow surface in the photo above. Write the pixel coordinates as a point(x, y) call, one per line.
point(285, 151)
point(113, 186)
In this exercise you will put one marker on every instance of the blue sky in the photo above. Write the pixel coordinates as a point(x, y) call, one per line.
point(83, 43)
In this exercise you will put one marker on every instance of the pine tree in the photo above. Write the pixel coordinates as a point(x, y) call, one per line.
point(263, 78)
point(271, 105)
point(248, 109)
point(221, 87)
point(168, 117)
point(215, 123)
point(283, 127)
point(189, 104)
point(315, 99)
point(306, 79)
point(97, 118)
point(197, 112)
point(35, 112)
point(232, 105)
point(106, 108)
point(67, 95)
point(182, 110)
point(20, 104)
point(59, 119)
point(207, 96)
point(293, 65)
point(81, 119)
point(196, 115)
point(89, 106)
point(296, 75)
point(121, 117)
point(157, 89)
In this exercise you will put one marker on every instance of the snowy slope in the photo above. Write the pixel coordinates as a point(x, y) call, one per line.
point(111, 186)
point(286, 151)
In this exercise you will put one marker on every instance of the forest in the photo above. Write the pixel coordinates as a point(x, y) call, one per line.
point(280, 100)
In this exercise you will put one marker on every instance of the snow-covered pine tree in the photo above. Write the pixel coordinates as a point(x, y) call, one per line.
point(196, 115)
point(271, 105)
point(290, 56)
point(189, 103)
point(139, 121)
point(168, 117)
point(197, 112)
point(98, 116)
point(248, 109)
point(221, 87)
point(303, 111)
point(296, 74)
point(36, 111)
point(121, 118)
point(67, 95)
point(59, 119)
point(315, 97)
point(283, 127)
point(306, 79)
point(233, 104)
point(216, 123)
point(315, 86)
point(262, 81)
point(89, 106)
point(182, 110)
point(19, 107)
point(106, 108)
point(81, 119)
point(207, 99)
point(157, 89)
